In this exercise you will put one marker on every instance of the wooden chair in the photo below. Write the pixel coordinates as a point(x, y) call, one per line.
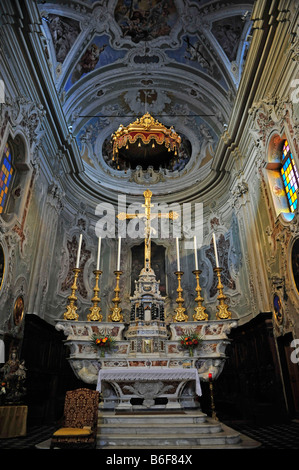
point(79, 420)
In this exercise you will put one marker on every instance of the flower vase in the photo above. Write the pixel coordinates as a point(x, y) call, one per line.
point(191, 353)
point(102, 352)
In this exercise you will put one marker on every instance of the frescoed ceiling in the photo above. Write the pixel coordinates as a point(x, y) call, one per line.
point(179, 60)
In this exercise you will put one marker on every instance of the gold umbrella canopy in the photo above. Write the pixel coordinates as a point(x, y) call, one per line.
point(145, 142)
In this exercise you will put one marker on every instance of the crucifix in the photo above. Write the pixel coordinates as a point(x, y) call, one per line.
point(148, 216)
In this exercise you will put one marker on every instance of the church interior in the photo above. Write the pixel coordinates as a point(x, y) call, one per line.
point(149, 185)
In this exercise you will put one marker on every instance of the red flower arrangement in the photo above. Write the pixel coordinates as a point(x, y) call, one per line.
point(102, 342)
point(190, 342)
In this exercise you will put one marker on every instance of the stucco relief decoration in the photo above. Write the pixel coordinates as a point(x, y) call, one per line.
point(25, 115)
point(9, 242)
point(265, 123)
point(267, 114)
point(223, 246)
point(72, 247)
point(31, 123)
point(148, 97)
point(229, 254)
point(64, 32)
point(284, 238)
point(55, 196)
point(238, 192)
point(5, 119)
point(87, 138)
point(196, 52)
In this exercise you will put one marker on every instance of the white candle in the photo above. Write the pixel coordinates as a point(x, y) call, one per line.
point(178, 254)
point(79, 251)
point(215, 249)
point(195, 253)
point(118, 254)
point(99, 253)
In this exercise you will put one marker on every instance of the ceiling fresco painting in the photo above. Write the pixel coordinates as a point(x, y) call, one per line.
point(145, 20)
point(97, 55)
point(228, 33)
point(113, 61)
point(194, 54)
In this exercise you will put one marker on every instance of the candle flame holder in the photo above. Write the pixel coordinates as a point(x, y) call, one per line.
point(95, 310)
point(71, 309)
point(180, 310)
point(116, 314)
point(223, 312)
point(200, 313)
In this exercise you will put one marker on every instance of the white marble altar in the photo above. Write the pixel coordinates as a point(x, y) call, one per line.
point(172, 362)
point(148, 383)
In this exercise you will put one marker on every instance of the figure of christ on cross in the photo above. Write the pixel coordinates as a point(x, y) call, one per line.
point(148, 216)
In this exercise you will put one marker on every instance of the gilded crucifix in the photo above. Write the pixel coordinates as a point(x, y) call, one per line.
point(148, 215)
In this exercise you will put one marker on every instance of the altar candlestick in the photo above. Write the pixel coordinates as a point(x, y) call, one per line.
point(178, 254)
point(118, 254)
point(215, 249)
point(99, 253)
point(195, 253)
point(79, 251)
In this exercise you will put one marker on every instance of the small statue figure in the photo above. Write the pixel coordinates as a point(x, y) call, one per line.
point(14, 375)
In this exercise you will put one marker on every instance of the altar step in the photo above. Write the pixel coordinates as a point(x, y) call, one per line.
point(147, 431)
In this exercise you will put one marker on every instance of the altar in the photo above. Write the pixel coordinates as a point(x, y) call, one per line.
point(148, 384)
point(150, 363)
point(137, 379)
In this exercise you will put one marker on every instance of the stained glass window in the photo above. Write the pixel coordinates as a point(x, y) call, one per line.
point(6, 174)
point(289, 176)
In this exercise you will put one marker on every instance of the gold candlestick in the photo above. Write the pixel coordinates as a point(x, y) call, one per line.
point(95, 310)
point(180, 310)
point(200, 313)
point(71, 309)
point(116, 314)
point(223, 312)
